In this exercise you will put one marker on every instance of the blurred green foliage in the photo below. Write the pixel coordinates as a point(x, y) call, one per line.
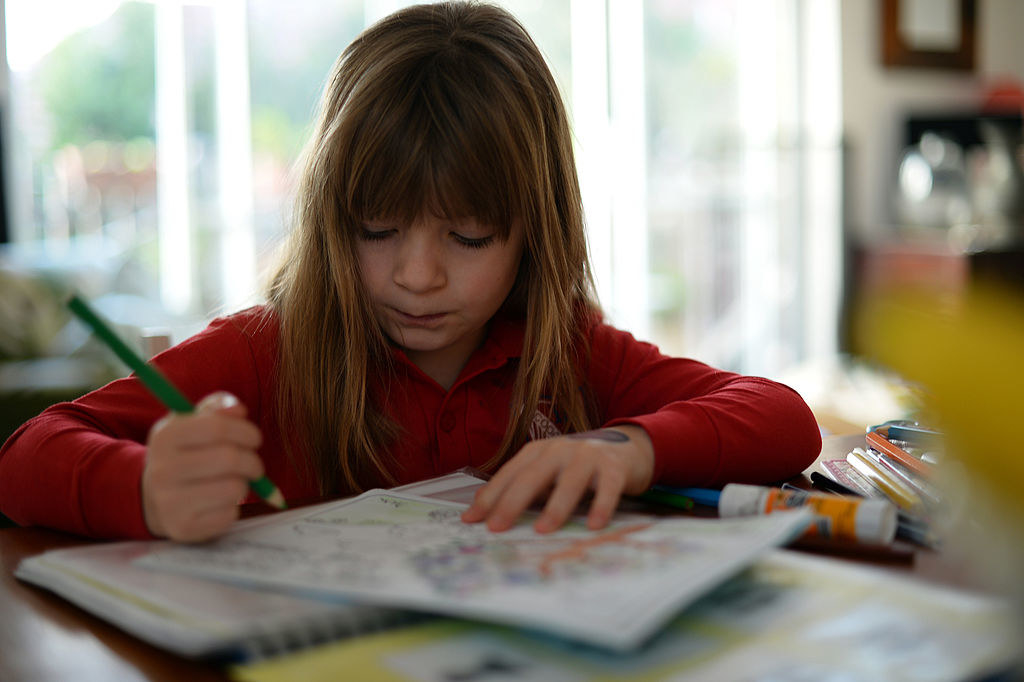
point(98, 84)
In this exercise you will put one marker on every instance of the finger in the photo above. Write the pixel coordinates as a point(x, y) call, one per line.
point(573, 482)
point(489, 493)
point(181, 467)
point(484, 499)
point(207, 525)
point(216, 462)
point(474, 513)
point(202, 497)
point(608, 491)
point(198, 430)
point(528, 485)
point(172, 511)
point(219, 401)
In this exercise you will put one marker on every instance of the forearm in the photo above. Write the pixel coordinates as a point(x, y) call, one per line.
point(752, 430)
point(59, 473)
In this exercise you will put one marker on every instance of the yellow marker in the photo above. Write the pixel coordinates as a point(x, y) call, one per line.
point(904, 498)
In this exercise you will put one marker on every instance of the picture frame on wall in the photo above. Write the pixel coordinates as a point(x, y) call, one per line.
point(929, 34)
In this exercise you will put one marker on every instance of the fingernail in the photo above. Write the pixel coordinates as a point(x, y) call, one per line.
point(220, 400)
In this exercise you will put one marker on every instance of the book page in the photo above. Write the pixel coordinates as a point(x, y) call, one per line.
point(201, 618)
point(191, 616)
point(788, 617)
point(612, 588)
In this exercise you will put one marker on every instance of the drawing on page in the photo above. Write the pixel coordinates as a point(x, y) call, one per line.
point(383, 537)
point(463, 568)
point(396, 549)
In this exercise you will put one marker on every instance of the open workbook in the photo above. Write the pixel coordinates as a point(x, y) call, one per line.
point(351, 566)
point(790, 616)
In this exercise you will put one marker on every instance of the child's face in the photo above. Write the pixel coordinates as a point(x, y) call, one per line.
point(435, 284)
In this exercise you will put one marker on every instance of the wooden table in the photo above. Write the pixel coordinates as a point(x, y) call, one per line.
point(44, 638)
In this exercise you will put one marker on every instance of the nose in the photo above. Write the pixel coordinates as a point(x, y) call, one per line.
point(419, 265)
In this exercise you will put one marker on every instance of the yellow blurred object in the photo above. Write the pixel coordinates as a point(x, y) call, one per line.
point(968, 353)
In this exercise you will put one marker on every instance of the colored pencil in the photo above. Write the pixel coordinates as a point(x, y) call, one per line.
point(882, 444)
point(158, 385)
point(897, 492)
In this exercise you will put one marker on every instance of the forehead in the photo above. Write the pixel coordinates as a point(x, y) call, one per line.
point(453, 144)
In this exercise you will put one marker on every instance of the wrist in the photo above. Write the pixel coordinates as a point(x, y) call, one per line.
point(642, 465)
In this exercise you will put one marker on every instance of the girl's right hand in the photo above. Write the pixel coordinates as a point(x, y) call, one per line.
point(198, 468)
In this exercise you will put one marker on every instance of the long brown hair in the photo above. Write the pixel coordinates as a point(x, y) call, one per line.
point(448, 108)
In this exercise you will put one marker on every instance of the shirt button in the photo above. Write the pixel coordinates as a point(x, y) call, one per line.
point(447, 421)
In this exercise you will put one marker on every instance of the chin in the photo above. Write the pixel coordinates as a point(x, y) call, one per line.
point(416, 340)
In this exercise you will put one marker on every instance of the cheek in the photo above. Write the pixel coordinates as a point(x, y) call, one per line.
point(502, 277)
point(510, 274)
point(371, 267)
point(500, 269)
point(512, 267)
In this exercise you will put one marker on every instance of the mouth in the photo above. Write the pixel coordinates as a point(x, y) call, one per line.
point(427, 320)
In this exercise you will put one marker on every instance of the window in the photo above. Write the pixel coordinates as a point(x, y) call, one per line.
point(743, 176)
point(163, 134)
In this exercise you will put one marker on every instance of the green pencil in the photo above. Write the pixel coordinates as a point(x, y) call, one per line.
point(158, 385)
point(671, 499)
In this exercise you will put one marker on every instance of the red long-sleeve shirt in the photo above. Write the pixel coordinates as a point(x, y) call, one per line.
point(78, 465)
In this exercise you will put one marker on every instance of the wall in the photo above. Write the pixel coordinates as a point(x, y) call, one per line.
point(4, 127)
point(875, 99)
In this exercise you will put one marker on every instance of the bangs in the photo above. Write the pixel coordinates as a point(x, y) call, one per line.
point(442, 143)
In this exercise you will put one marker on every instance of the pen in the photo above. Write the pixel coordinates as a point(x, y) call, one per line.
point(826, 483)
point(897, 492)
point(892, 466)
point(158, 385)
point(792, 488)
point(882, 444)
point(670, 499)
point(704, 496)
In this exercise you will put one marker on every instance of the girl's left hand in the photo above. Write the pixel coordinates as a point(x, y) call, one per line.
point(611, 462)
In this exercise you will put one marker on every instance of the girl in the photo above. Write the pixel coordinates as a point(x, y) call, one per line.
point(435, 311)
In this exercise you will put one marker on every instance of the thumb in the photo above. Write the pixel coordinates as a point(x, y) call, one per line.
point(223, 402)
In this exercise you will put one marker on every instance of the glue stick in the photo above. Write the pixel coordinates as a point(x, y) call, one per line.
point(861, 519)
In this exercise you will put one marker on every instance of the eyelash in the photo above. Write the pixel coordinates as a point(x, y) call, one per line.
point(374, 235)
point(469, 243)
point(473, 243)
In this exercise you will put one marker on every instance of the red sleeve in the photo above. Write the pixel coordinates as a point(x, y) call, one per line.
point(708, 427)
point(78, 466)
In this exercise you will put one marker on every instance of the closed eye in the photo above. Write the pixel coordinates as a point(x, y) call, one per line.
point(374, 235)
point(472, 243)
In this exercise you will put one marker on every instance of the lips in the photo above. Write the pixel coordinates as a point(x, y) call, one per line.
point(428, 320)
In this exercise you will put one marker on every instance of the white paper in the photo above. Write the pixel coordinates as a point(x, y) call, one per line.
point(196, 617)
point(192, 616)
point(612, 588)
point(789, 617)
